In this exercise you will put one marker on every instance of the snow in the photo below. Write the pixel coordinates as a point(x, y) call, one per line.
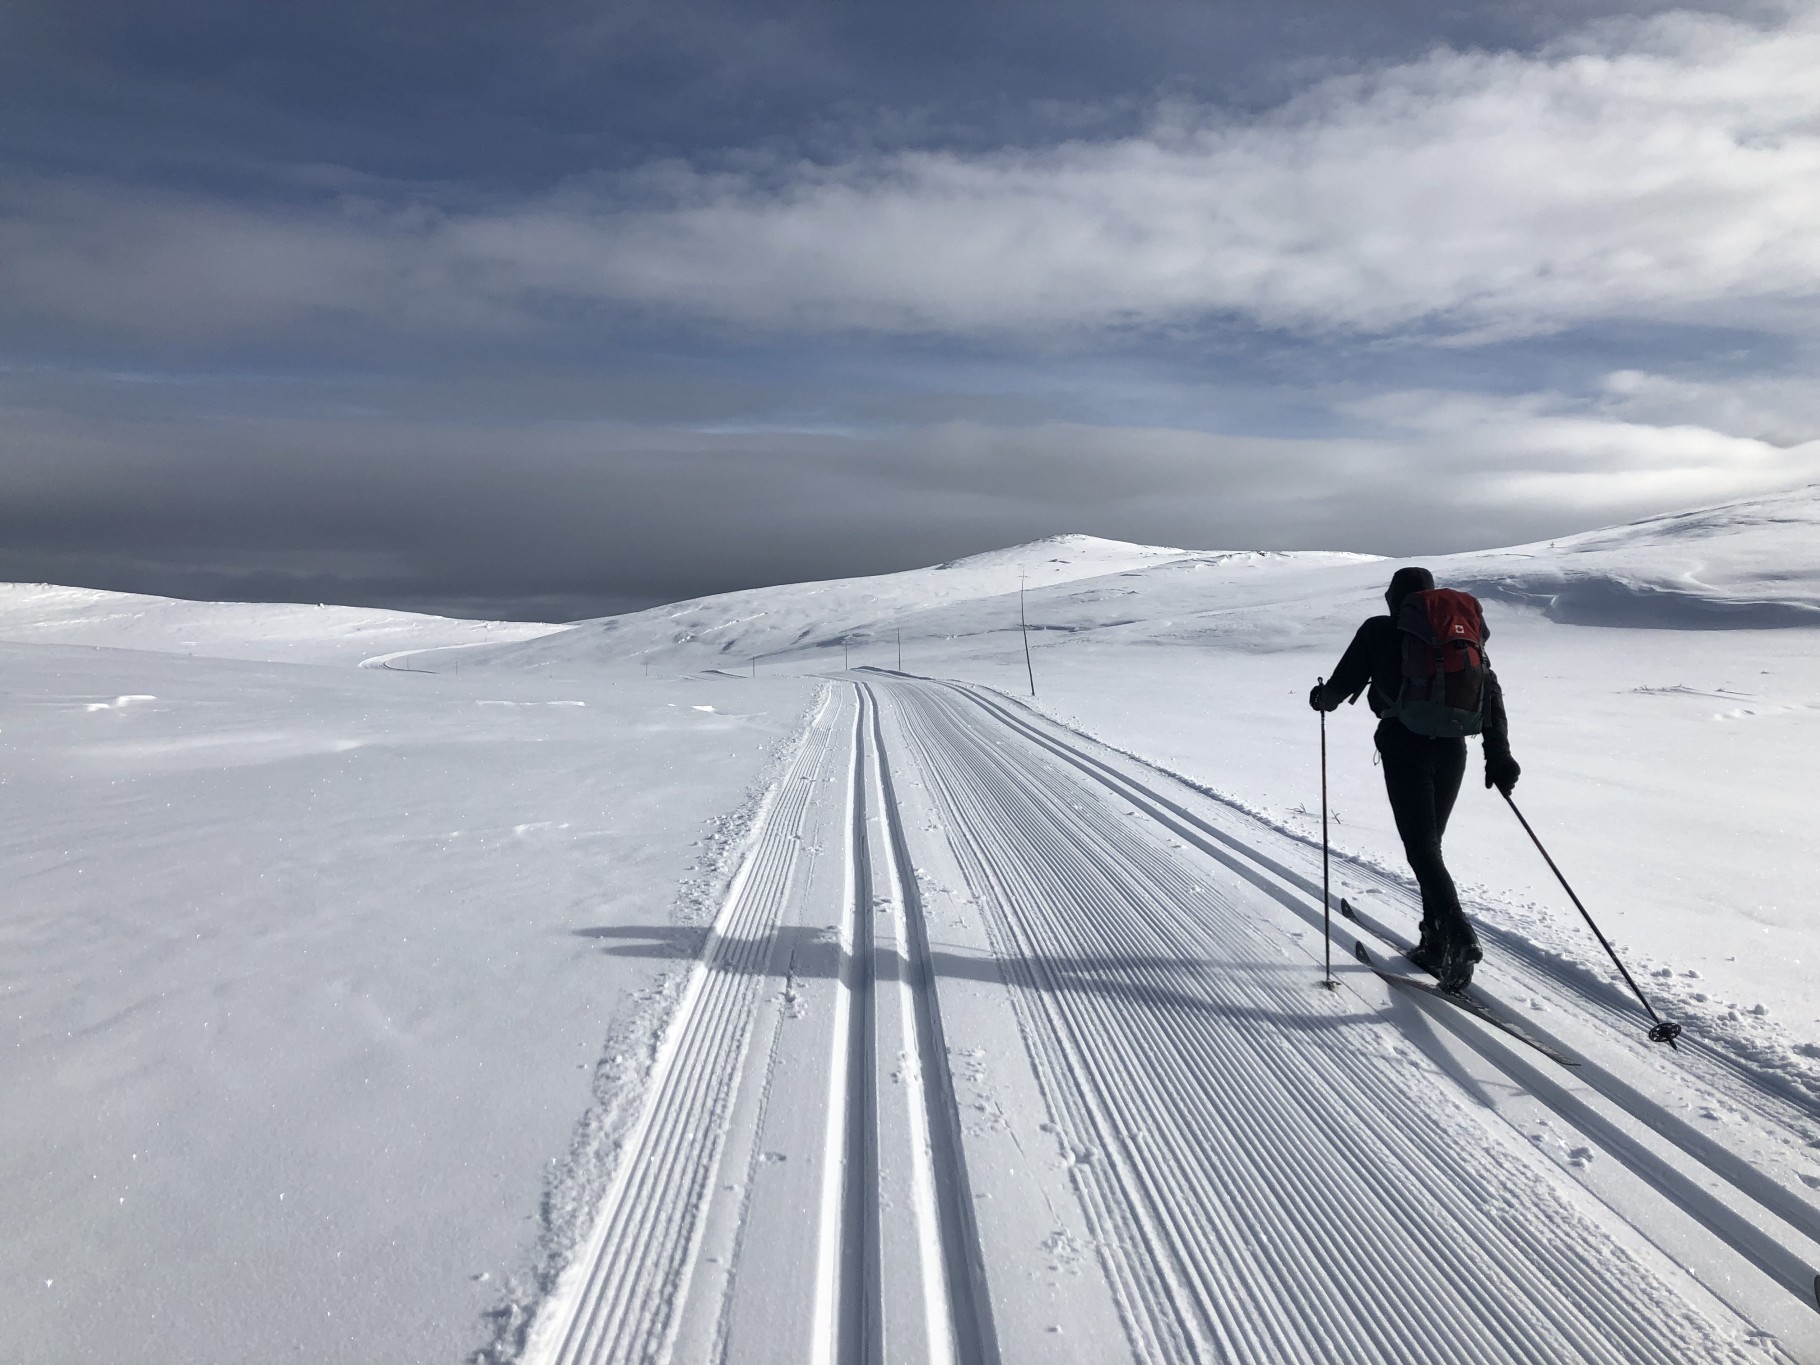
point(1743, 564)
point(306, 990)
point(42, 613)
point(809, 621)
point(374, 1012)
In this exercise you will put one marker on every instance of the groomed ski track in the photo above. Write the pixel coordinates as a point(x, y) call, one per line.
point(1006, 1048)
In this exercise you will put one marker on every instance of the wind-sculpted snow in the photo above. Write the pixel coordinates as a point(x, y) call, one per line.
point(1748, 565)
point(1596, 599)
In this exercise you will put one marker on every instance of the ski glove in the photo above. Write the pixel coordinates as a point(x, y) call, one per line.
point(1318, 698)
point(1501, 771)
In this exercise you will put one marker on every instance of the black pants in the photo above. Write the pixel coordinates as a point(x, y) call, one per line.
point(1422, 778)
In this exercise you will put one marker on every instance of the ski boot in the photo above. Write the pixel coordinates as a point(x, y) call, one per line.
point(1453, 972)
point(1427, 952)
point(1427, 955)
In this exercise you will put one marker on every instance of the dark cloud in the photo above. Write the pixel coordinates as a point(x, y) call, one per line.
point(553, 309)
point(571, 519)
point(468, 91)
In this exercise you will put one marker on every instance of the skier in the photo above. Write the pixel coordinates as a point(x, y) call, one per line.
point(1423, 765)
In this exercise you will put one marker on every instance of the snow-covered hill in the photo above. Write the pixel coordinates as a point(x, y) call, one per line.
point(43, 613)
point(365, 973)
point(1073, 582)
point(1754, 562)
point(1751, 563)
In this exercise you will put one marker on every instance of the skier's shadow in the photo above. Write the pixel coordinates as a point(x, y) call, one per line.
point(1164, 984)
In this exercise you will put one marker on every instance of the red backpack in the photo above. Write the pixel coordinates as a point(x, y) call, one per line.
point(1443, 688)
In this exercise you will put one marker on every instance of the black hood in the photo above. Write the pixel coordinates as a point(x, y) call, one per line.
point(1405, 581)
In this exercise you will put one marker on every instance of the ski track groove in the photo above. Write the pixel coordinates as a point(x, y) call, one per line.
point(1182, 1244)
point(958, 1288)
point(994, 802)
point(833, 1284)
point(1268, 1173)
point(857, 1335)
point(1797, 1106)
point(1746, 1239)
point(619, 1298)
point(1722, 1163)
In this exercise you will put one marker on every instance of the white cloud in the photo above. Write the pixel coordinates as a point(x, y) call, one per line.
point(1782, 411)
point(1666, 170)
point(1544, 452)
point(1467, 192)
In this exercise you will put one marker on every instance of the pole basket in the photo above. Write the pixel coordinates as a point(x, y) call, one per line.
point(1661, 1030)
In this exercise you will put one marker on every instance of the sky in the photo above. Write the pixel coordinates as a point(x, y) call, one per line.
point(552, 310)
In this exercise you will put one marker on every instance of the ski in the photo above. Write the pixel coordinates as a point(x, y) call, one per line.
point(1470, 1003)
point(1376, 927)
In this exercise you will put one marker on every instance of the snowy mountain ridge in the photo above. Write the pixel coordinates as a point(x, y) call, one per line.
point(1751, 562)
point(298, 632)
point(1069, 581)
point(1068, 547)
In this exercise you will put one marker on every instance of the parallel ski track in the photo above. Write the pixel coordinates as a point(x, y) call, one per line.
point(1791, 1270)
point(958, 1293)
point(1255, 1195)
point(1604, 1000)
point(1775, 1097)
point(619, 1299)
point(1258, 1188)
point(854, 1327)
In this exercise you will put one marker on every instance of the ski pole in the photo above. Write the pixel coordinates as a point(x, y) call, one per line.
point(1326, 898)
point(1662, 1031)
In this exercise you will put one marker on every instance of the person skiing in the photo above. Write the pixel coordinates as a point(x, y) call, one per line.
point(1430, 685)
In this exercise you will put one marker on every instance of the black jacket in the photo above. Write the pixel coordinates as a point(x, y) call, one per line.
point(1374, 659)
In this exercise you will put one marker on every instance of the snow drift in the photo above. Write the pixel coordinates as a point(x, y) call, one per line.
point(1752, 564)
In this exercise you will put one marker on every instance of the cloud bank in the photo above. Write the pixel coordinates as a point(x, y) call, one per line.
point(1666, 169)
point(562, 520)
point(1471, 298)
